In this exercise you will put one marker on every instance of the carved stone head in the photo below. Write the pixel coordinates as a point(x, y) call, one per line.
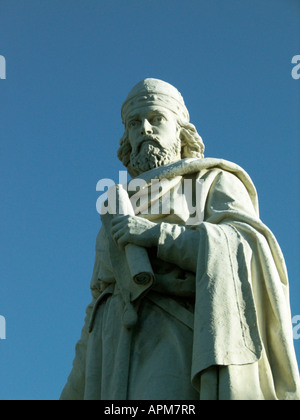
point(157, 128)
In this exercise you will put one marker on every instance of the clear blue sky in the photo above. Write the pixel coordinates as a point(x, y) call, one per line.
point(70, 65)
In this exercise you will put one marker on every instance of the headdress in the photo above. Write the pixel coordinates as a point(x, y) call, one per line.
point(155, 92)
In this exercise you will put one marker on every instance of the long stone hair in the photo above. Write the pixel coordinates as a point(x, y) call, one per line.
point(192, 145)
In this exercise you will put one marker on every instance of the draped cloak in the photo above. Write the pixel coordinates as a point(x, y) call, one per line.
point(215, 325)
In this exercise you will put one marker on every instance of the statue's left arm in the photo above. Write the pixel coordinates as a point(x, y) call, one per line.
point(227, 201)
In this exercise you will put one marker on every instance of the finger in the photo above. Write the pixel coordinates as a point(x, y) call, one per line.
point(119, 219)
point(119, 234)
point(117, 225)
point(116, 228)
point(123, 241)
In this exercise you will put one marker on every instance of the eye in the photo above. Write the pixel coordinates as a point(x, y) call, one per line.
point(132, 123)
point(158, 119)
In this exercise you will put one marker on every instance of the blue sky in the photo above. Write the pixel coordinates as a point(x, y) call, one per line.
point(70, 65)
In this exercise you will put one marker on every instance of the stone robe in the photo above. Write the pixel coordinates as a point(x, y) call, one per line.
point(215, 325)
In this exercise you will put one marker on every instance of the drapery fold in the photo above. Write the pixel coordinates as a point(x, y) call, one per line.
point(242, 341)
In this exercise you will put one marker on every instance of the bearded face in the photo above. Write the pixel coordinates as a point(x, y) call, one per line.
point(152, 154)
point(154, 138)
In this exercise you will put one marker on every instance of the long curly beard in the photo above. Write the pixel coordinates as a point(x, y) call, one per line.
point(152, 155)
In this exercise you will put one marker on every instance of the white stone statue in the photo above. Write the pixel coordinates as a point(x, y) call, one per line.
point(215, 322)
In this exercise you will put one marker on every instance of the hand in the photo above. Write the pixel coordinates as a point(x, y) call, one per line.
point(135, 230)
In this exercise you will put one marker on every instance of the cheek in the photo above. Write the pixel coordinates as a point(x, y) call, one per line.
point(170, 131)
point(132, 137)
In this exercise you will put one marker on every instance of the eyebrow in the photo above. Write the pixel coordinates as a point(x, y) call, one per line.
point(152, 112)
point(133, 116)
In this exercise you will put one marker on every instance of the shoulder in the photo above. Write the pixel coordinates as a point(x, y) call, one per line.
point(231, 176)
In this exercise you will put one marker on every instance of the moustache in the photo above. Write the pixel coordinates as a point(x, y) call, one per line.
point(145, 139)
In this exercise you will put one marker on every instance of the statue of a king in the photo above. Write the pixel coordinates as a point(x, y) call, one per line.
point(214, 321)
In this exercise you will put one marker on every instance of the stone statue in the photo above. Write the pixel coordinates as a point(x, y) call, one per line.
point(214, 322)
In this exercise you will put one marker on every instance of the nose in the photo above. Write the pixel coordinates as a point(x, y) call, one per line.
point(146, 127)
